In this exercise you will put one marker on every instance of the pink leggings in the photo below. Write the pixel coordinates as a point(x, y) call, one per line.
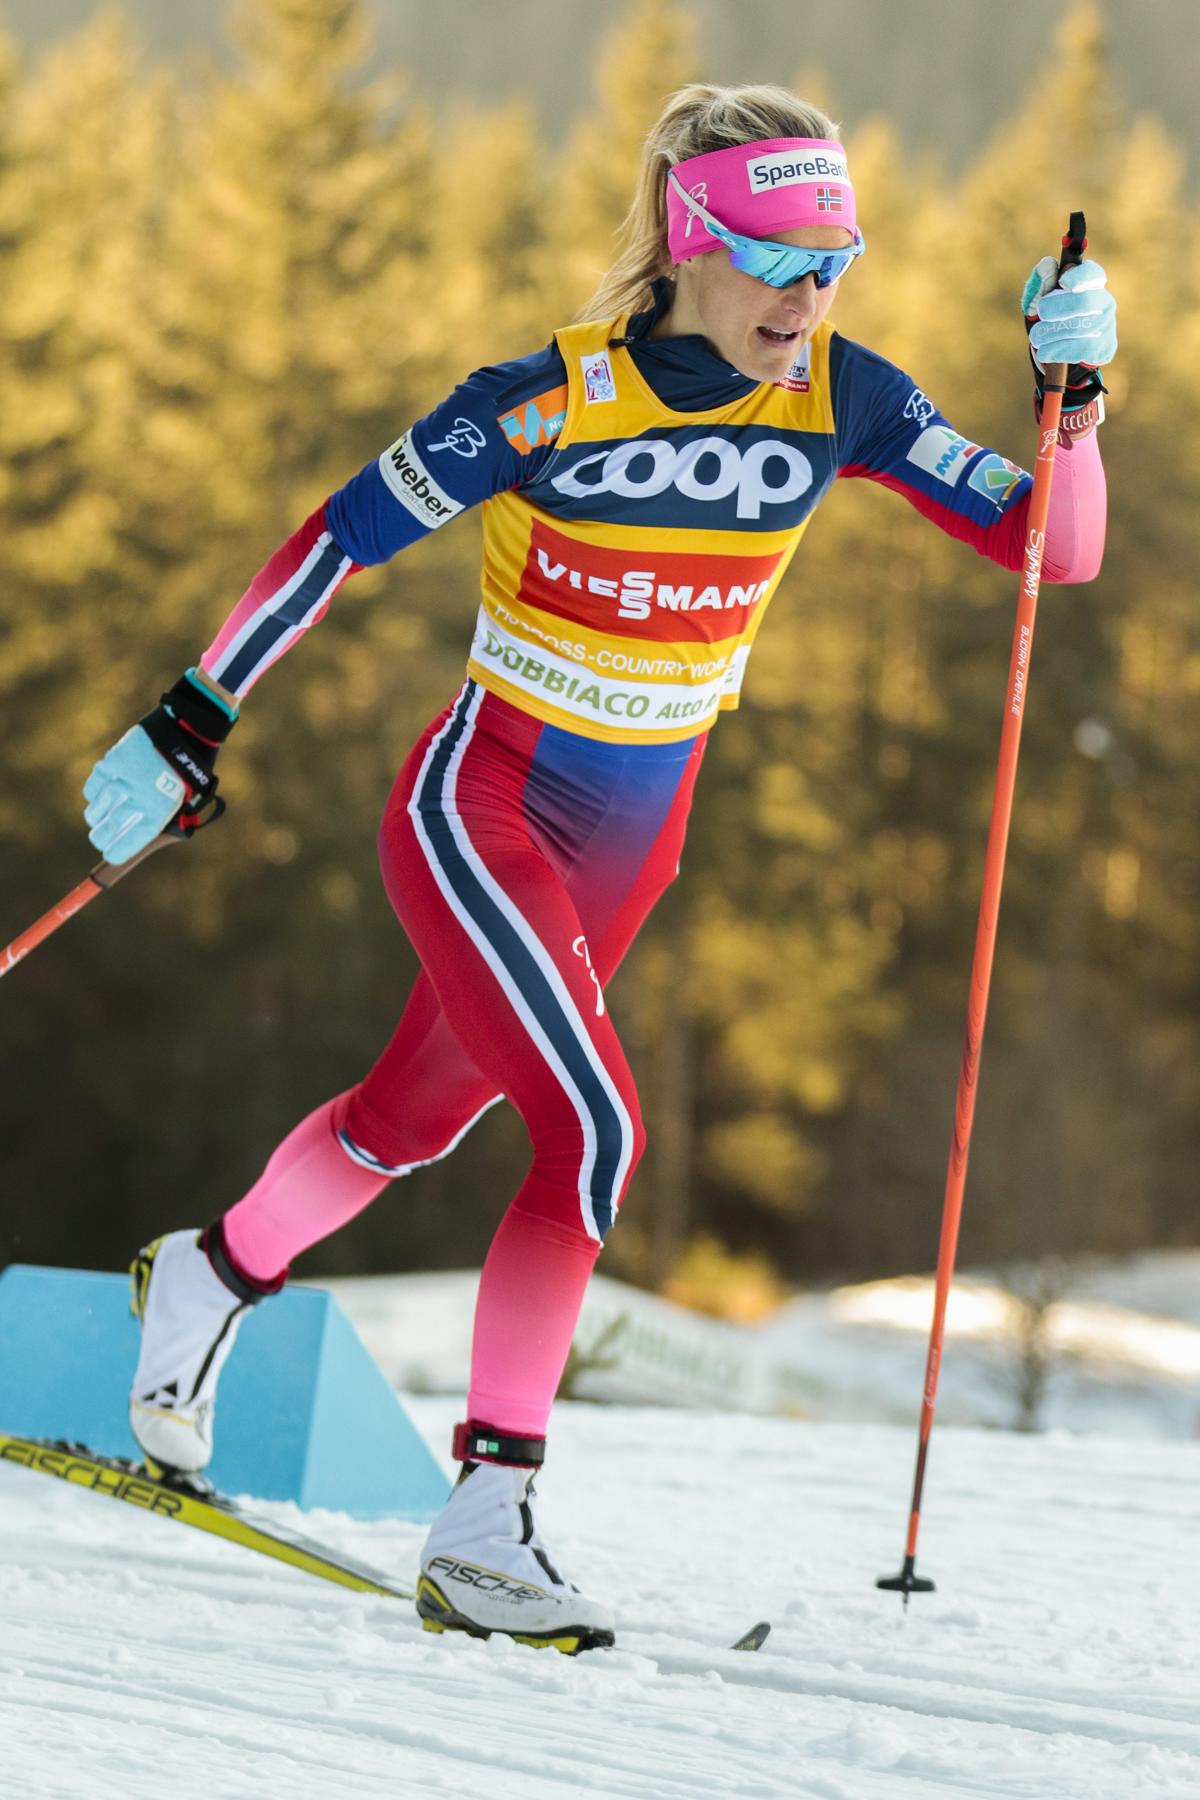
point(521, 860)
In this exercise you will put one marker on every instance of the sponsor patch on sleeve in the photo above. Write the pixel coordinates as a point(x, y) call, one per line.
point(942, 453)
point(536, 421)
point(413, 485)
point(996, 478)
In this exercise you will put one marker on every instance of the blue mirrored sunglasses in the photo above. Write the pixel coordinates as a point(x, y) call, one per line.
point(778, 265)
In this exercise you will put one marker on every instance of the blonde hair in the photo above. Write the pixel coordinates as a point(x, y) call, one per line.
point(696, 119)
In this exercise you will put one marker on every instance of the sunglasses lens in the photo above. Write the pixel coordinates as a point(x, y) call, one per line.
point(833, 267)
point(780, 266)
point(777, 267)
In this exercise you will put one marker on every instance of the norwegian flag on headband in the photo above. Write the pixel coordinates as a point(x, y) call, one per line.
point(829, 199)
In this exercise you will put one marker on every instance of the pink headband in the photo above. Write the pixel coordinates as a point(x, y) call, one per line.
point(778, 184)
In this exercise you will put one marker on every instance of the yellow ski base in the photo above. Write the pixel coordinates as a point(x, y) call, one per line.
point(121, 1480)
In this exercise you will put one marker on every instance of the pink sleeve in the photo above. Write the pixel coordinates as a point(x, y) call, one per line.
point(290, 593)
point(1076, 521)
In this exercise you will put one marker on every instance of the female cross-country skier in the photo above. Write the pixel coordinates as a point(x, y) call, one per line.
point(646, 479)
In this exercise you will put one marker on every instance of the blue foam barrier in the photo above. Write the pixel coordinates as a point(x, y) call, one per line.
point(304, 1412)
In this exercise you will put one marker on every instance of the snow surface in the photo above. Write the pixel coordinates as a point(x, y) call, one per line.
point(1057, 1661)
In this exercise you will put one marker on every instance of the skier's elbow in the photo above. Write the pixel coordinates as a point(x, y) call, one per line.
point(1084, 566)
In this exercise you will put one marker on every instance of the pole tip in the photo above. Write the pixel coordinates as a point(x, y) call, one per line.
point(906, 1582)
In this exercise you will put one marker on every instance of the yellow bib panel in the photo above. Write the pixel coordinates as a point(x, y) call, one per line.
point(623, 587)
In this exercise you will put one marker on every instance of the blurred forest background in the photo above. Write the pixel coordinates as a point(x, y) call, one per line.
point(223, 288)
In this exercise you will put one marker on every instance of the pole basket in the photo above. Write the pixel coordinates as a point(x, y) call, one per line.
point(906, 1582)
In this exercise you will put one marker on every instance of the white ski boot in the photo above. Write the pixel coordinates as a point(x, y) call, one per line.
point(190, 1316)
point(484, 1567)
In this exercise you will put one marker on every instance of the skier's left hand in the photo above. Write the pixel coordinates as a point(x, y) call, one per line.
point(1071, 318)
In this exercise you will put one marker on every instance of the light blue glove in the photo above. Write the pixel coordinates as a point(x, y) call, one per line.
point(1076, 321)
point(132, 793)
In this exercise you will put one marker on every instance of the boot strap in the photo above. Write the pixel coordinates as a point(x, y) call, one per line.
point(474, 1442)
point(248, 1291)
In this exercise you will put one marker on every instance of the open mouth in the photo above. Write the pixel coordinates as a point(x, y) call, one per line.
point(770, 336)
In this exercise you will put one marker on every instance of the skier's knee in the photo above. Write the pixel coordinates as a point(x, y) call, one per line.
point(617, 1158)
point(375, 1143)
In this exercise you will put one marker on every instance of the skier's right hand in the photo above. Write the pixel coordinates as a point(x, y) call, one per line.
point(159, 767)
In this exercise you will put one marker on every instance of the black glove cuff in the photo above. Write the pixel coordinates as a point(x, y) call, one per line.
point(203, 717)
point(191, 759)
point(187, 729)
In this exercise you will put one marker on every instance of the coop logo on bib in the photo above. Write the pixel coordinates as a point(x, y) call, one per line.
point(708, 469)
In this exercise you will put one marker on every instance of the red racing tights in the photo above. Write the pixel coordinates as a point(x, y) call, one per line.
point(521, 860)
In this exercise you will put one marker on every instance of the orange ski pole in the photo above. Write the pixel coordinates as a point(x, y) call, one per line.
point(906, 1582)
point(104, 875)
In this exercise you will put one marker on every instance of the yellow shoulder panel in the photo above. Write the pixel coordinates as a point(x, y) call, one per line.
point(609, 398)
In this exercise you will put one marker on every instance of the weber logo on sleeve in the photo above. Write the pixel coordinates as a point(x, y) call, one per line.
point(413, 485)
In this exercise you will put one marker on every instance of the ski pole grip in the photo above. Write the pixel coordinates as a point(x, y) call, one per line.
point(1074, 244)
point(1054, 380)
point(106, 874)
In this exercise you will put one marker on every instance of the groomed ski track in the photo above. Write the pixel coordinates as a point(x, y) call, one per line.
point(1058, 1658)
